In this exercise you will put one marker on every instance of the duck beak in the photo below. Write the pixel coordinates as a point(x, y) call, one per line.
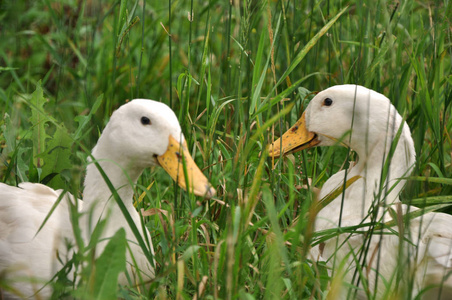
point(295, 139)
point(173, 162)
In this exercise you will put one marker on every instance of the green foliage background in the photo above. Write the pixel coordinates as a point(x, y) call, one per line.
point(231, 71)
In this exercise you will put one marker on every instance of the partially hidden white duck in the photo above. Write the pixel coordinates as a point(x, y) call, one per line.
point(409, 259)
point(140, 134)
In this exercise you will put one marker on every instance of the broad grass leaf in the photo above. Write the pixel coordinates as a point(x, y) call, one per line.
point(39, 120)
point(122, 17)
point(414, 214)
point(9, 132)
point(8, 136)
point(108, 267)
point(84, 120)
point(57, 157)
point(430, 200)
point(447, 181)
point(335, 193)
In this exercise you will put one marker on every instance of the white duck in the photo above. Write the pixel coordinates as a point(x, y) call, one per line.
point(140, 134)
point(368, 123)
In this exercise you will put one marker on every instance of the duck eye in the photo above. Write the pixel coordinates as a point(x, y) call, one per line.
point(145, 121)
point(327, 102)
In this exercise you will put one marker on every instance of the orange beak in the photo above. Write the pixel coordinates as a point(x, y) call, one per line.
point(173, 161)
point(293, 140)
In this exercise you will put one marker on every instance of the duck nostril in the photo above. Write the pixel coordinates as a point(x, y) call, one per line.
point(178, 155)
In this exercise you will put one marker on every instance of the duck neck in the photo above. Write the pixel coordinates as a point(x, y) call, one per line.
point(98, 199)
point(374, 187)
point(383, 164)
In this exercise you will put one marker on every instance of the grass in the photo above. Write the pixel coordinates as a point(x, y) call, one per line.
point(231, 71)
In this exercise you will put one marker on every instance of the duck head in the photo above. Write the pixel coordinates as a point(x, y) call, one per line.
point(144, 133)
point(349, 115)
